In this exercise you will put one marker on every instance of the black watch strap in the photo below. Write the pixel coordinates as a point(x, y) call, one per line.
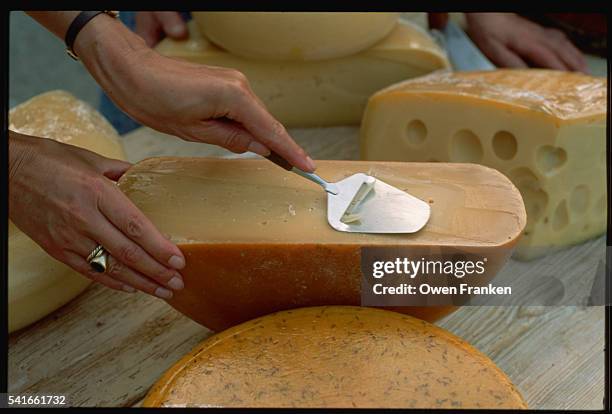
point(75, 27)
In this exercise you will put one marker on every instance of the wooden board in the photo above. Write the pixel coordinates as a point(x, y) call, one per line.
point(107, 348)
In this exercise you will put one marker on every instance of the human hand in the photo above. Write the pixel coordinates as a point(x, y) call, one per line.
point(153, 26)
point(65, 199)
point(195, 102)
point(509, 40)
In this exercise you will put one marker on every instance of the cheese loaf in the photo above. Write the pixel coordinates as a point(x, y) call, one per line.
point(256, 238)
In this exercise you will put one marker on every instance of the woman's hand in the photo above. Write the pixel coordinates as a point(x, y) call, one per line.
point(194, 102)
point(153, 26)
point(512, 41)
point(66, 200)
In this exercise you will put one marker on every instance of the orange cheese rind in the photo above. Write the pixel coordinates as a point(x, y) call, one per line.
point(567, 96)
point(335, 356)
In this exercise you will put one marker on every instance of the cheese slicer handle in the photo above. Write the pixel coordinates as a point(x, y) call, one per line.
point(331, 188)
point(280, 161)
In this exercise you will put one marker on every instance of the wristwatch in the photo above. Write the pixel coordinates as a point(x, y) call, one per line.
point(78, 23)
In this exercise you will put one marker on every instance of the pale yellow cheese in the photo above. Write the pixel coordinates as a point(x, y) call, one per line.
point(294, 35)
point(544, 129)
point(335, 356)
point(39, 284)
point(322, 93)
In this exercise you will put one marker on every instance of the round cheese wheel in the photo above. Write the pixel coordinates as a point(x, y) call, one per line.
point(39, 284)
point(294, 35)
point(335, 357)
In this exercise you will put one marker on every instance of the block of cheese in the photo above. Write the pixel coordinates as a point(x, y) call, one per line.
point(298, 36)
point(544, 129)
point(256, 238)
point(323, 93)
point(39, 284)
point(335, 357)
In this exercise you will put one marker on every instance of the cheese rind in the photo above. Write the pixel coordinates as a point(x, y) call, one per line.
point(322, 93)
point(300, 36)
point(544, 129)
point(335, 357)
point(39, 284)
point(256, 238)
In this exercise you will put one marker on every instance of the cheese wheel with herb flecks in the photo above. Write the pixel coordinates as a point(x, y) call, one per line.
point(335, 357)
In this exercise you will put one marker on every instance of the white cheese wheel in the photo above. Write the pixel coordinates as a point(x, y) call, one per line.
point(325, 92)
point(295, 35)
point(39, 284)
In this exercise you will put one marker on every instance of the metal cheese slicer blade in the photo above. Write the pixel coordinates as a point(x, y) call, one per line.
point(361, 203)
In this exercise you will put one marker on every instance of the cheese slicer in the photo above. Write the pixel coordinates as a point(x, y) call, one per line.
point(361, 203)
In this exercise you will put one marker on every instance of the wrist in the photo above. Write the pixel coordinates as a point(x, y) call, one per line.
point(21, 153)
point(106, 46)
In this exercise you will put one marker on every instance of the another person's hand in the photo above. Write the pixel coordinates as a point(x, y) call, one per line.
point(509, 40)
point(153, 26)
point(66, 200)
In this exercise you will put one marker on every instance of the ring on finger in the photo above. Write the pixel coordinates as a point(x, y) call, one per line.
point(98, 259)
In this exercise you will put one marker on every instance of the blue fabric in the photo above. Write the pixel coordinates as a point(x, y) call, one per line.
point(119, 119)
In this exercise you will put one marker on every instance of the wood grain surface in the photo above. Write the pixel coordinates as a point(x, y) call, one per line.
point(106, 348)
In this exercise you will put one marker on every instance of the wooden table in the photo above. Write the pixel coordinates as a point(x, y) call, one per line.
point(106, 348)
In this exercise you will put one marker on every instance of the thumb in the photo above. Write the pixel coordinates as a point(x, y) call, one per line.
point(114, 169)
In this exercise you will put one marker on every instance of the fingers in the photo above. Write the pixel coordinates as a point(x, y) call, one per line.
point(133, 240)
point(227, 134)
point(513, 41)
point(565, 50)
point(128, 277)
point(114, 169)
point(243, 107)
point(148, 28)
point(172, 24)
point(79, 264)
point(117, 276)
point(539, 54)
point(501, 55)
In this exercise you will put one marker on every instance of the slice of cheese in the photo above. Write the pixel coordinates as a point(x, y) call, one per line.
point(324, 93)
point(256, 238)
point(544, 129)
point(39, 284)
point(294, 35)
point(335, 357)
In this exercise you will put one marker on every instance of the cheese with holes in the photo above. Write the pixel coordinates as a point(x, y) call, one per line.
point(294, 35)
point(544, 129)
point(39, 284)
point(323, 93)
point(335, 357)
point(256, 238)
